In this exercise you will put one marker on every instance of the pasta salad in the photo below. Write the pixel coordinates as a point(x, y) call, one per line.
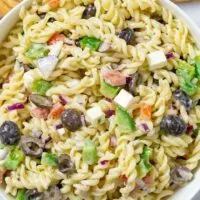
point(99, 100)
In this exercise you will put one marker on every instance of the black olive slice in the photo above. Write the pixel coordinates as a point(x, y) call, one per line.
point(90, 11)
point(127, 34)
point(134, 82)
point(32, 146)
point(41, 101)
point(65, 164)
point(53, 193)
point(9, 133)
point(51, 19)
point(33, 194)
point(71, 119)
point(184, 99)
point(173, 125)
point(180, 175)
point(77, 42)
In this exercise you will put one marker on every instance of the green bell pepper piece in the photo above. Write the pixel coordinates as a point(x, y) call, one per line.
point(90, 152)
point(41, 86)
point(14, 158)
point(21, 195)
point(188, 87)
point(37, 51)
point(146, 154)
point(197, 66)
point(124, 120)
point(90, 42)
point(144, 166)
point(108, 90)
point(186, 74)
point(185, 71)
point(49, 159)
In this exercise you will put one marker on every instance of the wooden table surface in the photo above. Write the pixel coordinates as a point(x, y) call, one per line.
point(6, 5)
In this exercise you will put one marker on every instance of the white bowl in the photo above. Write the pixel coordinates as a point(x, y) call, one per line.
point(6, 24)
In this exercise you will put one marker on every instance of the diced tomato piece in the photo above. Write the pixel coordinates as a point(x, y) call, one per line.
point(2, 172)
point(114, 78)
point(56, 110)
point(40, 113)
point(55, 38)
point(123, 178)
point(148, 179)
point(145, 111)
point(54, 3)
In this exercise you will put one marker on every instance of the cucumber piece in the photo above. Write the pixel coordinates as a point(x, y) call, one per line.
point(14, 158)
point(90, 152)
point(49, 159)
point(108, 90)
point(124, 120)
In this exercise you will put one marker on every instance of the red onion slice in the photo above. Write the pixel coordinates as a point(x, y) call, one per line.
point(16, 106)
point(170, 55)
point(190, 128)
point(37, 133)
point(63, 101)
point(142, 185)
point(59, 126)
point(47, 139)
point(128, 79)
point(113, 141)
point(145, 127)
point(104, 162)
point(109, 113)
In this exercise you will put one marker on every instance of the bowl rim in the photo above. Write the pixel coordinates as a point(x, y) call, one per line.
point(10, 19)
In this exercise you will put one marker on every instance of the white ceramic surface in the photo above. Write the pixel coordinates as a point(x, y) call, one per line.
point(192, 9)
point(6, 24)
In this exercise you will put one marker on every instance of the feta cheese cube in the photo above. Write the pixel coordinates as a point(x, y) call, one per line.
point(28, 79)
point(61, 131)
point(156, 60)
point(46, 65)
point(95, 115)
point(124, 99)
point(3, 153)
point(55, 48)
